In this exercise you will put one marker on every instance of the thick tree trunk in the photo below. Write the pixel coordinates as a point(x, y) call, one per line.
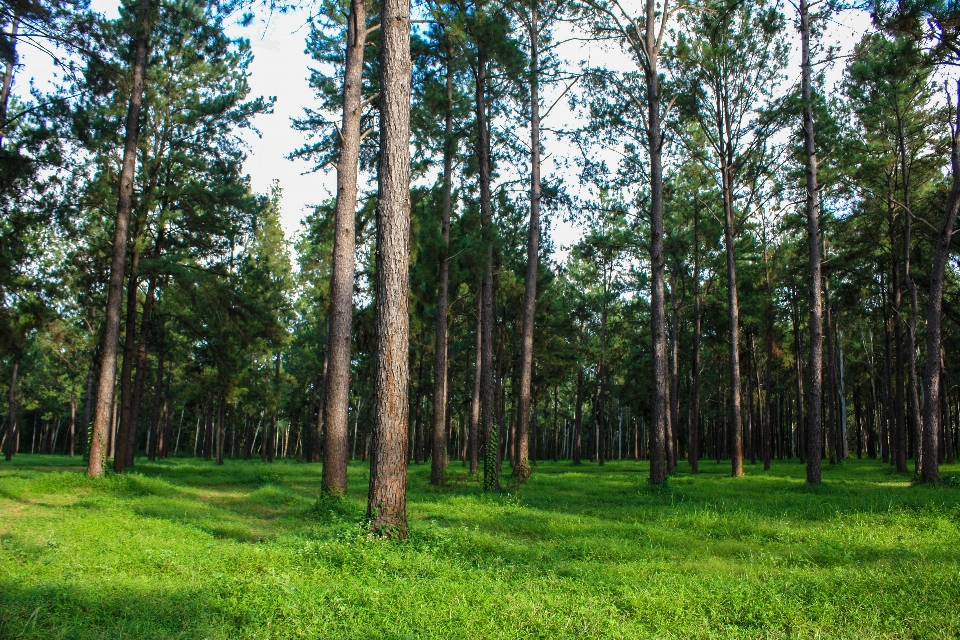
point(438, 461)
point(657, 306)
point(337, 423)
point(387, 503)
point(111, 333)
point(522, 468)
point(929, 470)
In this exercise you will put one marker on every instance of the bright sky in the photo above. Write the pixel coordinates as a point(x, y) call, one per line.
point(280, 68)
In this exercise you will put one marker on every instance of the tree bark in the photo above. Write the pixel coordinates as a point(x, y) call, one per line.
point(474, 435)
point(929, 469)
point(438, 462)
point(126, 434)
point(815, 365)
point(387, 503)
point(657, 306)
point(155, 414)
point(491, 480)
point(108, 363)
point(337, 419)
point(694, 436)
point(522, 468)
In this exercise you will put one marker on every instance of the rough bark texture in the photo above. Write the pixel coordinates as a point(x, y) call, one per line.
point(929, 467)
point(657, 306)
point(387, 503)
point(111, 333)
point(438, 462)
point(491, 481)
point(815, 365)
point(337, 419)
point(521, 468)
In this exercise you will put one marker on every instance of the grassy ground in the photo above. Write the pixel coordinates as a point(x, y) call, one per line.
point(184, 549)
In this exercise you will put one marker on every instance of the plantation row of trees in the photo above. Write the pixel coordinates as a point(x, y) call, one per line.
point(764, 271)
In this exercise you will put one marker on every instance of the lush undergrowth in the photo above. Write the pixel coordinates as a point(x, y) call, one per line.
point(185, 549)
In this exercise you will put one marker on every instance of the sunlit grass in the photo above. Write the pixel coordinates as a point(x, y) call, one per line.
point(185, 549)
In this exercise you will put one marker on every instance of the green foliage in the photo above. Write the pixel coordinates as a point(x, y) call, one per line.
point(184, 549)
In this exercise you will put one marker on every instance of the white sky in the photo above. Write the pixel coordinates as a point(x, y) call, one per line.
point(280, 68)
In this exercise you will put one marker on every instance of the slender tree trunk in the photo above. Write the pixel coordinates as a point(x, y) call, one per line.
point(474, 435)
point(832, 438)
point(657, 306)
point(736, 434)
point(900, 448)
point(929, 470)
point(578, 415)
point(73, 420)
point(815, 365)
point(491, 481)
point(336, 444)
point(695, 359)
point(322, 402)
point(12, 415)
point(522, 468)
point(108, 363)
point(438, 462)
point(156, 415)
point(387, 503)
point(673, 442)
point(126, 436)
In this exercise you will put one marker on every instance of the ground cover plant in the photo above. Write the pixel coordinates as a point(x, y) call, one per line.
point(186, 549)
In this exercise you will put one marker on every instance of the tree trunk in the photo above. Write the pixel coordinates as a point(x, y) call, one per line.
point(337, 403)
point(578, 415)
point(438, 462)
point(387, 503)
point(474, 435)
point(736, 435)
point(491, 481)
point(674, 375)
point(522, 468)
point(155, 415)
point(815, 365)
point(126, 436)
point(929, 469)
point(12, 415)
point(657, 307)
point(111, 333)
point(694, 453)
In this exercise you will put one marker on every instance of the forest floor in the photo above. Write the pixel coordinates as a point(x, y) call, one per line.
point(185, 549)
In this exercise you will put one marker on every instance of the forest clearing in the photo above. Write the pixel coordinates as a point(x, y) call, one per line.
point(187, 549)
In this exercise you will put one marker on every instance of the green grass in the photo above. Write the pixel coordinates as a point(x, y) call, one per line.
point(185, 549)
